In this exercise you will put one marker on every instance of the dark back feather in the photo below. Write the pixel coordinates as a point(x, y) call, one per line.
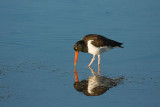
point(100, 41)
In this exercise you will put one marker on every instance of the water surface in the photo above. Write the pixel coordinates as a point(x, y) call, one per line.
point(36, 52)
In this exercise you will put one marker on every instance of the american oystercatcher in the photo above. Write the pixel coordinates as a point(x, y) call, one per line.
point(94, 44)
point(95, 85)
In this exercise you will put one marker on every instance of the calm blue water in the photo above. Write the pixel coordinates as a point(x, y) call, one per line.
point(36, 52)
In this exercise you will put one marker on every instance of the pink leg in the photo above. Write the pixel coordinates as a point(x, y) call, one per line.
point(99, 57)
point(92, 70)
point(99, 71)
point(92, 60)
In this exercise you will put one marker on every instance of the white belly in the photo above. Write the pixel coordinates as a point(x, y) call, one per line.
point(96, 50)
point(95, 81)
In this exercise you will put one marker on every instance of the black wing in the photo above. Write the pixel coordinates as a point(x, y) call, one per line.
point(100, 41)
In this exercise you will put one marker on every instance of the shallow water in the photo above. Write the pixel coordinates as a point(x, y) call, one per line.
point(36, 52)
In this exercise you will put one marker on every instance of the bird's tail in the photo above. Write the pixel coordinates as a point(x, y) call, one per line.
point(120, 45)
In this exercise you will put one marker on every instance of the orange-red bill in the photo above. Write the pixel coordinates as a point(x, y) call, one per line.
point(76, 75)
point(76, 57)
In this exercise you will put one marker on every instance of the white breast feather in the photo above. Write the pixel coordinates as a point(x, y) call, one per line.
point(95, 81)
point(96, 50)
point(92, 83)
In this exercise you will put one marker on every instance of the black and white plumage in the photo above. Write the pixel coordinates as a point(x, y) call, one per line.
point(95, 85)
point(95, 44)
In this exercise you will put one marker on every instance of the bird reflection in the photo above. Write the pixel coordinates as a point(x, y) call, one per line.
point(95, 84)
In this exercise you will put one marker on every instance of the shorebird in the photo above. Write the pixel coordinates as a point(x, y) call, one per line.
point(95, 84)
point(94, 44)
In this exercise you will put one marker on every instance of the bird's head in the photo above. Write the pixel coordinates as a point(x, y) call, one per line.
point(79, 46)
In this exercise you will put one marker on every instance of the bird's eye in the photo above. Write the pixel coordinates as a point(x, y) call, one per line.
point(76, 48)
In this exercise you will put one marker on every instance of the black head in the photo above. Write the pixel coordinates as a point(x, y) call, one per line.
point(80, 46)
point(81, 86)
